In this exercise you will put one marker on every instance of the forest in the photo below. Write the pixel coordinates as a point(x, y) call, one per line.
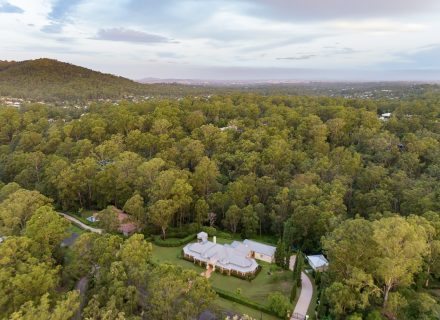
point(321, 174)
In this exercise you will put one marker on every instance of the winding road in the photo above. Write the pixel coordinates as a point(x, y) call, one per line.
point(305, 296)
point(79, 223)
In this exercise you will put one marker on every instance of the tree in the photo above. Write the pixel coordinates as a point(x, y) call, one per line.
point(202, 210)
point(400, 247)
point(232, 218)
point(108, 219)
point(299, 264)
point(17, 209)
point(279, 304)
point(24, 274)
point(204, 179)
point(280, 254)
point(135, 207)
point(47, 229)
point(249, 221)
point(161, 214)
point(64, 309)
point(177, 293)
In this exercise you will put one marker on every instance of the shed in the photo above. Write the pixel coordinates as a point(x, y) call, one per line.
point(318, 262)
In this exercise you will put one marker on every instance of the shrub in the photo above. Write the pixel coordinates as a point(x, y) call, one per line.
point(173, 242)
point(279, 304)
point(224, 235)
point(244, 301)
point(211, 231)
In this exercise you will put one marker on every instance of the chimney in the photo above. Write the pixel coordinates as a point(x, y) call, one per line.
point(214, 239)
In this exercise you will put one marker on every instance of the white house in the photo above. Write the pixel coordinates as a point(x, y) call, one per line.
point(237, 258)
point(256, 250)
point(385, 116)
point(318, 262)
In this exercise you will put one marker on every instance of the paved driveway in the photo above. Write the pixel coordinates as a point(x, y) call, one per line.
point(305, 296)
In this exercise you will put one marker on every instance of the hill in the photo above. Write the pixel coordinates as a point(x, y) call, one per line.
point(52, 80)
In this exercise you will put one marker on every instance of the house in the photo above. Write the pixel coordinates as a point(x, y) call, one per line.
point(237, 258)
point(385, 116)
point(318, 262)
point(126, 226)
point(92, 219)
point(2, 239)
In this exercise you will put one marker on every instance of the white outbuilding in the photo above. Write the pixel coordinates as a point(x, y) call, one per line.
point(318, 262)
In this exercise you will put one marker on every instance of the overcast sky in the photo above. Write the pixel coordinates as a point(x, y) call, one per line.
point(230, 39)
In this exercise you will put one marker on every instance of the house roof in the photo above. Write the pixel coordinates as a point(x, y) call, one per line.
point(260, 247)
point(224, 256)
point(317, 261)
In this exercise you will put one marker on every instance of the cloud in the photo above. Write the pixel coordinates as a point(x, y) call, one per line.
point(54, 27)
point(62, 8)
point(59, 15)
point(301, 57)
point(335, 9)
point(128, 35)
point(10, 8)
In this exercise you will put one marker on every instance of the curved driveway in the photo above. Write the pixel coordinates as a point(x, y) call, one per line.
point(305, 295)
point(79, 223)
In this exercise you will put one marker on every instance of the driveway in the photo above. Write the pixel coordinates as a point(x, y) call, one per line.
point(79, 223)
point(305, 296)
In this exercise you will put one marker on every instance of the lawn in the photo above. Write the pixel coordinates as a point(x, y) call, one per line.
point(232, 307)
point(256, 290)
point(75, 229)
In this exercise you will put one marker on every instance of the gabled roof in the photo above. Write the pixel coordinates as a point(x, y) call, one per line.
point(317, 261)
point(224, 256)
point(260, 247)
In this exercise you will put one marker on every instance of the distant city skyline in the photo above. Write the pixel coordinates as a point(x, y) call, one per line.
point(322, 40)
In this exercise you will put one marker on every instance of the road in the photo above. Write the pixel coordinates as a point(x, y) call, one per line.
point(305, 296)
point(79, 223)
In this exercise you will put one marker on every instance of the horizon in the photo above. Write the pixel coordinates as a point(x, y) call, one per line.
point(324, 41)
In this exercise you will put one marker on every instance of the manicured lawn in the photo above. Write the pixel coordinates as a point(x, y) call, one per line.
point(256, 290)
point(233, 307)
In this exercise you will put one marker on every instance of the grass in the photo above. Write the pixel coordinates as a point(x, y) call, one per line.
point(75, 229)
point(232, 307)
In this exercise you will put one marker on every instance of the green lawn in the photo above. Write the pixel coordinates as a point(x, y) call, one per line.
point(229, 306)
point(256, 290)
point(73, 228)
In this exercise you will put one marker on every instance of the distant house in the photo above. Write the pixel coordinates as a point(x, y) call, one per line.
point(92, 219)
point(2, 239)
point(126, 226)
point(237, 258)
point(230, 127)
point(318, 262)
point(385, 116)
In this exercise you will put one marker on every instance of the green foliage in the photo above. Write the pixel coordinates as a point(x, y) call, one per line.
point(279, 304)
point(244, 301)
point(173, 242)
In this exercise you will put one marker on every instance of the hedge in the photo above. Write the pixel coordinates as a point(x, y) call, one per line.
point(241, 300)
point(173, 242)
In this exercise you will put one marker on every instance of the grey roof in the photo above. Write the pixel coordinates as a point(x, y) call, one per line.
point(224, 256)
point(317, 261)
point(260, 247)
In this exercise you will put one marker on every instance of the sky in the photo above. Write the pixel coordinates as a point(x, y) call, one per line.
point(334, 40)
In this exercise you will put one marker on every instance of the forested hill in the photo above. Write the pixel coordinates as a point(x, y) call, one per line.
point(52, 80)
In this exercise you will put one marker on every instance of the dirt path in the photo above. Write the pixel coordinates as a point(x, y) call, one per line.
point(79, 223)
